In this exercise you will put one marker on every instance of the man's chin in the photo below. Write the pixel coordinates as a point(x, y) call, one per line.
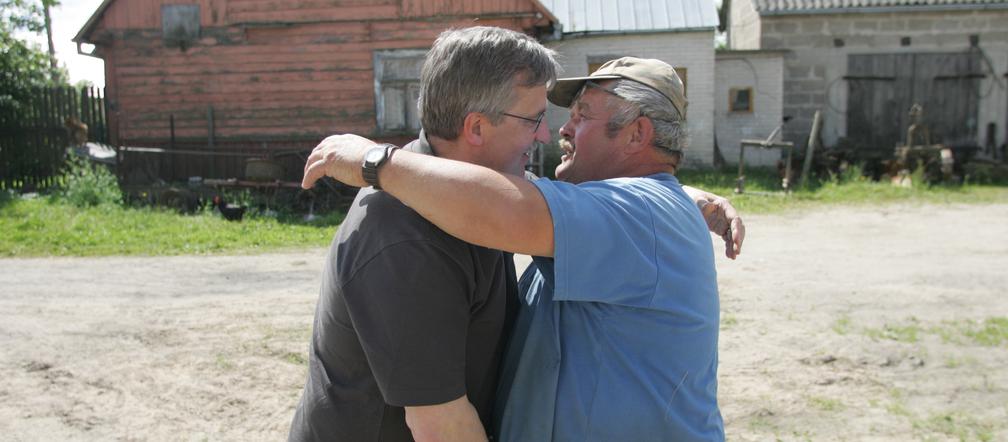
point(561, 170)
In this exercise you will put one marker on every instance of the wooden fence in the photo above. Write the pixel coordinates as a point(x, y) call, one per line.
point(34, 137)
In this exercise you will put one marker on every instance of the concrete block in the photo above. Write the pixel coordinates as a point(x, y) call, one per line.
point(772, 42)
point(866, 25)
point(995, 22)
point(798, 72)
point(785, 27)
point(920, 24)
point(974, 23)
point(797, 41)
point(865, 41)
point(991, 37)
point(813, 26)
point(805, 85)
point(891, 25)
point(797, 98)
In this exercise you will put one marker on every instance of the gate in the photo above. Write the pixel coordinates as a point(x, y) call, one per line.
point(883, 87)
point(35, 135)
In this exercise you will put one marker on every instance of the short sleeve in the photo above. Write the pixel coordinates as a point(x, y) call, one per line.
point(410, 306)
point(604, 243)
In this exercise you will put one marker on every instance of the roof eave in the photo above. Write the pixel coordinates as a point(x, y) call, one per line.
point(84, 35)
point(577, 34)
point(883, 9)
point(545, 12)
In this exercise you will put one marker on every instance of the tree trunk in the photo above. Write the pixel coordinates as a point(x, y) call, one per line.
point(52, 49)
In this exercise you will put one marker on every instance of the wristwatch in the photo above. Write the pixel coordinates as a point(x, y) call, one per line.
point(373, 159)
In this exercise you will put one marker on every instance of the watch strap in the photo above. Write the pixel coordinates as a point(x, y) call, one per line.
point(369, 170)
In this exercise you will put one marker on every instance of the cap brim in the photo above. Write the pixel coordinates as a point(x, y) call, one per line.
point(565, 89)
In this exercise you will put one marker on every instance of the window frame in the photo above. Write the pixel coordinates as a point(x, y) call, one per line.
point(733, 99)
point(408, 87)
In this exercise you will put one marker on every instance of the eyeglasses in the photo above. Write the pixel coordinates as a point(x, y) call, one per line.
point(537, 120)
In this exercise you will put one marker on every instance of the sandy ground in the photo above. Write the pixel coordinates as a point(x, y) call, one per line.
point(844, 324)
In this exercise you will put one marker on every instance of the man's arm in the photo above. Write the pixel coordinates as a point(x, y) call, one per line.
point(453, 195)
point(721, 218)
point(452, 421)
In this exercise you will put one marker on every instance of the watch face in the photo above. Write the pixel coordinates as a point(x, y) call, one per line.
point(375, 155)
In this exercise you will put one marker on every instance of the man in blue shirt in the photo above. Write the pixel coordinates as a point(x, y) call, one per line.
point(617, 339)
point(627, 351)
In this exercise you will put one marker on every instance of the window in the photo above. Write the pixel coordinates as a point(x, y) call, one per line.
point(740, 99)
point(595, 62)
point(180, 25)
point(397, 89)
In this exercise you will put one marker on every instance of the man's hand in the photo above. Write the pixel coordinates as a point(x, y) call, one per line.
point(723, 220)
point(448, 422)
point(340, 157)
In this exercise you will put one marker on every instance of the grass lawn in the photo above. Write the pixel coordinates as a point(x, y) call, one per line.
point(48, 226)
point(763, 194)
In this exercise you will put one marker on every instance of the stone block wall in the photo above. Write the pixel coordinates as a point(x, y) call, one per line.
point(819, 45)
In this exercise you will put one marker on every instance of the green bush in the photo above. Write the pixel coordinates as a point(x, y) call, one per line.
point(88, 185)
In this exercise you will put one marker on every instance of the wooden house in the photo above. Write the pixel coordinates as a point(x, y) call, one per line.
point(271, 75)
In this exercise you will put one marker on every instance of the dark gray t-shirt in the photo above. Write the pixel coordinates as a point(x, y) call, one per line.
point(407, 315)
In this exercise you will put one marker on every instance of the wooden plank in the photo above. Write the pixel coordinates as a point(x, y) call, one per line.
point(952, 97)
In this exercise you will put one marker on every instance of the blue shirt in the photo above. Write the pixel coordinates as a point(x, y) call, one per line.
point(617, 337)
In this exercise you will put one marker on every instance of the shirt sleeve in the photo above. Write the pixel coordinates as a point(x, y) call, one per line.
point(604, 243)
point(410, 306)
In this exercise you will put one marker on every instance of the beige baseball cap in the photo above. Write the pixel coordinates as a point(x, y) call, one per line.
point(655, 74)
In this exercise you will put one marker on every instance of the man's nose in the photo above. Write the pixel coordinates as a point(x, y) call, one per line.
point(565, 130)
point(542, 134)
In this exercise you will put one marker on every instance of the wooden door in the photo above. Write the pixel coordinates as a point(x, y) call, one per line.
point(883, 87)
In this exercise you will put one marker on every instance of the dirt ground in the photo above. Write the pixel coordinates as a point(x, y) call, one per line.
point(840, 324)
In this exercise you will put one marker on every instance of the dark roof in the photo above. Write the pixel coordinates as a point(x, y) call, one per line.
point(84, 34)
point(770, 7)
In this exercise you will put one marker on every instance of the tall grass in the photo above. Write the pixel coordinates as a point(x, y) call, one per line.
point(86, 184)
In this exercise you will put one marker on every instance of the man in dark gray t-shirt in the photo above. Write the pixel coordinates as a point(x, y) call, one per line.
point(407, 315)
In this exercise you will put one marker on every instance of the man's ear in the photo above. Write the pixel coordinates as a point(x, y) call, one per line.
point(472, 128)
point(641, 134)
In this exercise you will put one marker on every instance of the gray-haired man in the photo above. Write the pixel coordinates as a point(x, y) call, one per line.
point(410, 322)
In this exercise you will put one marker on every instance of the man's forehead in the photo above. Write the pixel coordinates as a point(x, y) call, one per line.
point(588, 95)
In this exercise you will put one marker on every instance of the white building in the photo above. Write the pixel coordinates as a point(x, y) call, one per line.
point(678, 32)
point(864, 63)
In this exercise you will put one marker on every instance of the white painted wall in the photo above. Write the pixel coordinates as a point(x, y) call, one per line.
point(764, 73)
point(744, 26)
point(693, 50)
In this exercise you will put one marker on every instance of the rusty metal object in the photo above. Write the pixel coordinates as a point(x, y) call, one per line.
point(768, 143)
point(936, 160)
